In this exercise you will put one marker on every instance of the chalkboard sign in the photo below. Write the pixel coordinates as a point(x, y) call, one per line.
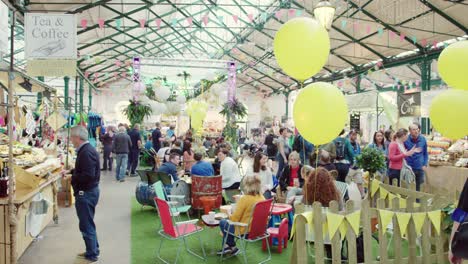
point(355, 121)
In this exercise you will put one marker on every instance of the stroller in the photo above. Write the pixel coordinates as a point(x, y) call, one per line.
point(148, 158)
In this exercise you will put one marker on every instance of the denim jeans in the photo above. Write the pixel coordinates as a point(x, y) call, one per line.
point(121, 160)
point(394, 174)
point(107, 159)
point(223, 225)
point(419, 178)
point(133, 160)
point(85, 204)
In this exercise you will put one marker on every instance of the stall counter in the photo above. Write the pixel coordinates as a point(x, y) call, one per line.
point(450, 178)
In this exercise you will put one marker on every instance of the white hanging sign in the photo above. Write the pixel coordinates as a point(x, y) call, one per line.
point(50, 36)
point(4, 28)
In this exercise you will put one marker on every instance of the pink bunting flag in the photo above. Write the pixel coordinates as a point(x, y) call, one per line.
point(118, 63)
point(417, 82)
point(424, 42)
point(84, 23)
point(279, 13)
point(101, 23)
point(205, 20)
point(368, 29)
point(391, 34)
point(189, 21)
point(142, 23)
point(86, 74)
point(379, 64)
point(123, 74)
point(235, 50)
point(235, 18)
point(434, 44)
point(356, 25)
point(158, 22)
point(251, 17)
point(292, 12)
point(96, 75)
point(116, 74)
point(402, 37)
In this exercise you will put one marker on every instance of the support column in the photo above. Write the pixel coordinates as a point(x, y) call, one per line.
point(425, 86)
point(286, 94)
point(39, 94)
point(81, 93)
point(76, 93)
point(66, 81)
point(90, 98)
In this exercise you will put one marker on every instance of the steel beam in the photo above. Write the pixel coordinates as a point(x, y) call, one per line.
point(444, 15)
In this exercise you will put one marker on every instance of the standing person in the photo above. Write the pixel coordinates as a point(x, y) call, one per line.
point(201, 167)
point(397, 155)
point(459, 216)
point(344, 156)
point(121, 147)
point(85, 182)
point(188, 156)
point(355, 173)
point(149, 142)
point(388, 138)
point(261, 167)
point(283, 151)
point(379, 144)
point(304, 148)
point(229, 171)
point(157, 137)
point(170, 134)
point(272, 149)
point(134, 154)
point(107, 141)
point(418, 162)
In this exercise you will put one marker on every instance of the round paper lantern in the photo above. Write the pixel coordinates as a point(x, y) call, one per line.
point(162, 93)
point(449, 113)
point(453, 65)
point(320, 112)
point(172, 108)
point(301, 47)
point(181, 99)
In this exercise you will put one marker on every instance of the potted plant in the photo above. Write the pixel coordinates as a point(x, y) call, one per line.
point(136, 112)
point(371, 160)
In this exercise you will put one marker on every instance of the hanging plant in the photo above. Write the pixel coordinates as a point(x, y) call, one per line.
point(234, 107)
point(136, 112)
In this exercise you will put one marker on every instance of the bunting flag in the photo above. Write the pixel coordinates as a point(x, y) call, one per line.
point(264, 17)
point(424, 42)
point(325, 230)
point(385, 218)
point(142, 23)
point(414, 39)
point(220, 19)
point(235, 18)
point(190, 21)
point(251, 18)
point(96, 75)
point(356, 25)
point(334, 221)
point(375, 185)
point(84, 23)
point(403, 220)
point(368, 29)
point(310, 219)
point(298, 13)
point(235, 50)
point(158, 23)
point(123, 74)
point(343, 23)
point(118, 63)
point(116, 74)
point(418, 219)
point(278, 14)
point(434, 44)
point(446, 44)
point(291, 12)
point(435, 217)
point(118, 23)
point(101, 23)
point(380, 31)
point(174, 22)
point(343, 230)
point(354, 220)
point(402, 37)
point(391, 197)
point(205, 20)
point(86, 74)
point(391, 34)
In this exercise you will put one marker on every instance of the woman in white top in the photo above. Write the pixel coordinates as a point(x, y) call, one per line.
point(262, 168)
point(229, 171)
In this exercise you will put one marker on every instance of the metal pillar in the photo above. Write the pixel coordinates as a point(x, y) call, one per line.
point(81, 93)
point(425, 86)
point(90, 98)
point(76, 93)
point(286, 94)
point(66, 81)
point(39, 94)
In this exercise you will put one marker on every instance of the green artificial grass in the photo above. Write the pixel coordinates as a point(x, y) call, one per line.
point(145, 241)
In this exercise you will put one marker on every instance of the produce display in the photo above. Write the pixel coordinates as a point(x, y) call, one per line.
point(443, 153)
point(44, 168)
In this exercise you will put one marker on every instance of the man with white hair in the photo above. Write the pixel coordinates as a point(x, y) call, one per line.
point(85, 182)
point(419, 160)
point(121, 147)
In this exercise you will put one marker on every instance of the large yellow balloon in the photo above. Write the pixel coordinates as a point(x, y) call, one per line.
point(301, 47)
point(320, 112)
point(453, 65)
point(449, 113)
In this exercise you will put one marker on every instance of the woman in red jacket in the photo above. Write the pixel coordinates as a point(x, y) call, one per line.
point(397, 153)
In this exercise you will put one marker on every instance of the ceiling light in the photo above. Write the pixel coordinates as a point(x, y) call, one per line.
point(324, 12)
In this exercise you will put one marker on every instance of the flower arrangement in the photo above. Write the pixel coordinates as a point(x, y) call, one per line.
point(136, 112)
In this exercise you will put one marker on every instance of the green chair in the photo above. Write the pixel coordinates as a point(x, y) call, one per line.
point(176, 202)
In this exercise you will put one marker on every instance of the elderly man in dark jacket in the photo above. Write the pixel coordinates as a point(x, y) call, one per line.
point(85, 182)
point(121, 147)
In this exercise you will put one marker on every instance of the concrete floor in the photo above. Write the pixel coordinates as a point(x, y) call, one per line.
point(59, 244)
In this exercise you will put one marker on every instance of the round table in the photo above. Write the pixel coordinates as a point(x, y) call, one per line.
point(212, 224)
point(277, 211)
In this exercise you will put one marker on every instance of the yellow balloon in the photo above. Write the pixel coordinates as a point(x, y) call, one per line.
point(449, 113)
point(453, 65)
point(301, 47)
point(320, 112)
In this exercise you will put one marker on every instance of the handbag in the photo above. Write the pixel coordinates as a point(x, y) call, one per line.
point(460, 241)
point(406, 173)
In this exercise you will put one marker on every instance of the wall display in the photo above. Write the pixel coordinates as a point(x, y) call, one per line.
point(409, 104)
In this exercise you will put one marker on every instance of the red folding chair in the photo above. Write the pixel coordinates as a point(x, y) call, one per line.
point(255, 231)
point(176, 230)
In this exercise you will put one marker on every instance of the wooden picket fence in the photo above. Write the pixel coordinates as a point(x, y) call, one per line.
point(429, 247)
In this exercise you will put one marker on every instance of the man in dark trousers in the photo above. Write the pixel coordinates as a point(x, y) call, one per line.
point(134, 154)
point(85, 182)
point(157, 137)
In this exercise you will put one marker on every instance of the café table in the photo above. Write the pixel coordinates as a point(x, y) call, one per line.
point(278, 210)
point(212, 224)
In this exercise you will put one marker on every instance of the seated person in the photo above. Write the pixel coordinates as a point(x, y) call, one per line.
point(170, 168)
point(212, 149)
point(177, 148)
point(229, 170)
point(201, 168)
point(261, 168)
point(162, 151)
point(291, 180)
point(325, 161)
point(232, 152)
point(242, 213)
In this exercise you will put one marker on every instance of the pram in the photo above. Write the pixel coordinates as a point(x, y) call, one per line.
point(148, 158)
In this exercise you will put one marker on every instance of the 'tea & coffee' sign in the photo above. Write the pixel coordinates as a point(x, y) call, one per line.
point(50, 36)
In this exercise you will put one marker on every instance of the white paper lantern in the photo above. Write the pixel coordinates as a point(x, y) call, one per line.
point(173, 108)
point(181, 99)
point(162, 93)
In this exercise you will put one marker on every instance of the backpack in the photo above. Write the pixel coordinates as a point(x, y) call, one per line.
point(340, 144)
point(297, 145)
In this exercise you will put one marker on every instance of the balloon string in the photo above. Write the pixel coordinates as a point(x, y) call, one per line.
point(316, 169)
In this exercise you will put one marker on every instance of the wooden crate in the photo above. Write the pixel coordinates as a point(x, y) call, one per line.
point(25, 179)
